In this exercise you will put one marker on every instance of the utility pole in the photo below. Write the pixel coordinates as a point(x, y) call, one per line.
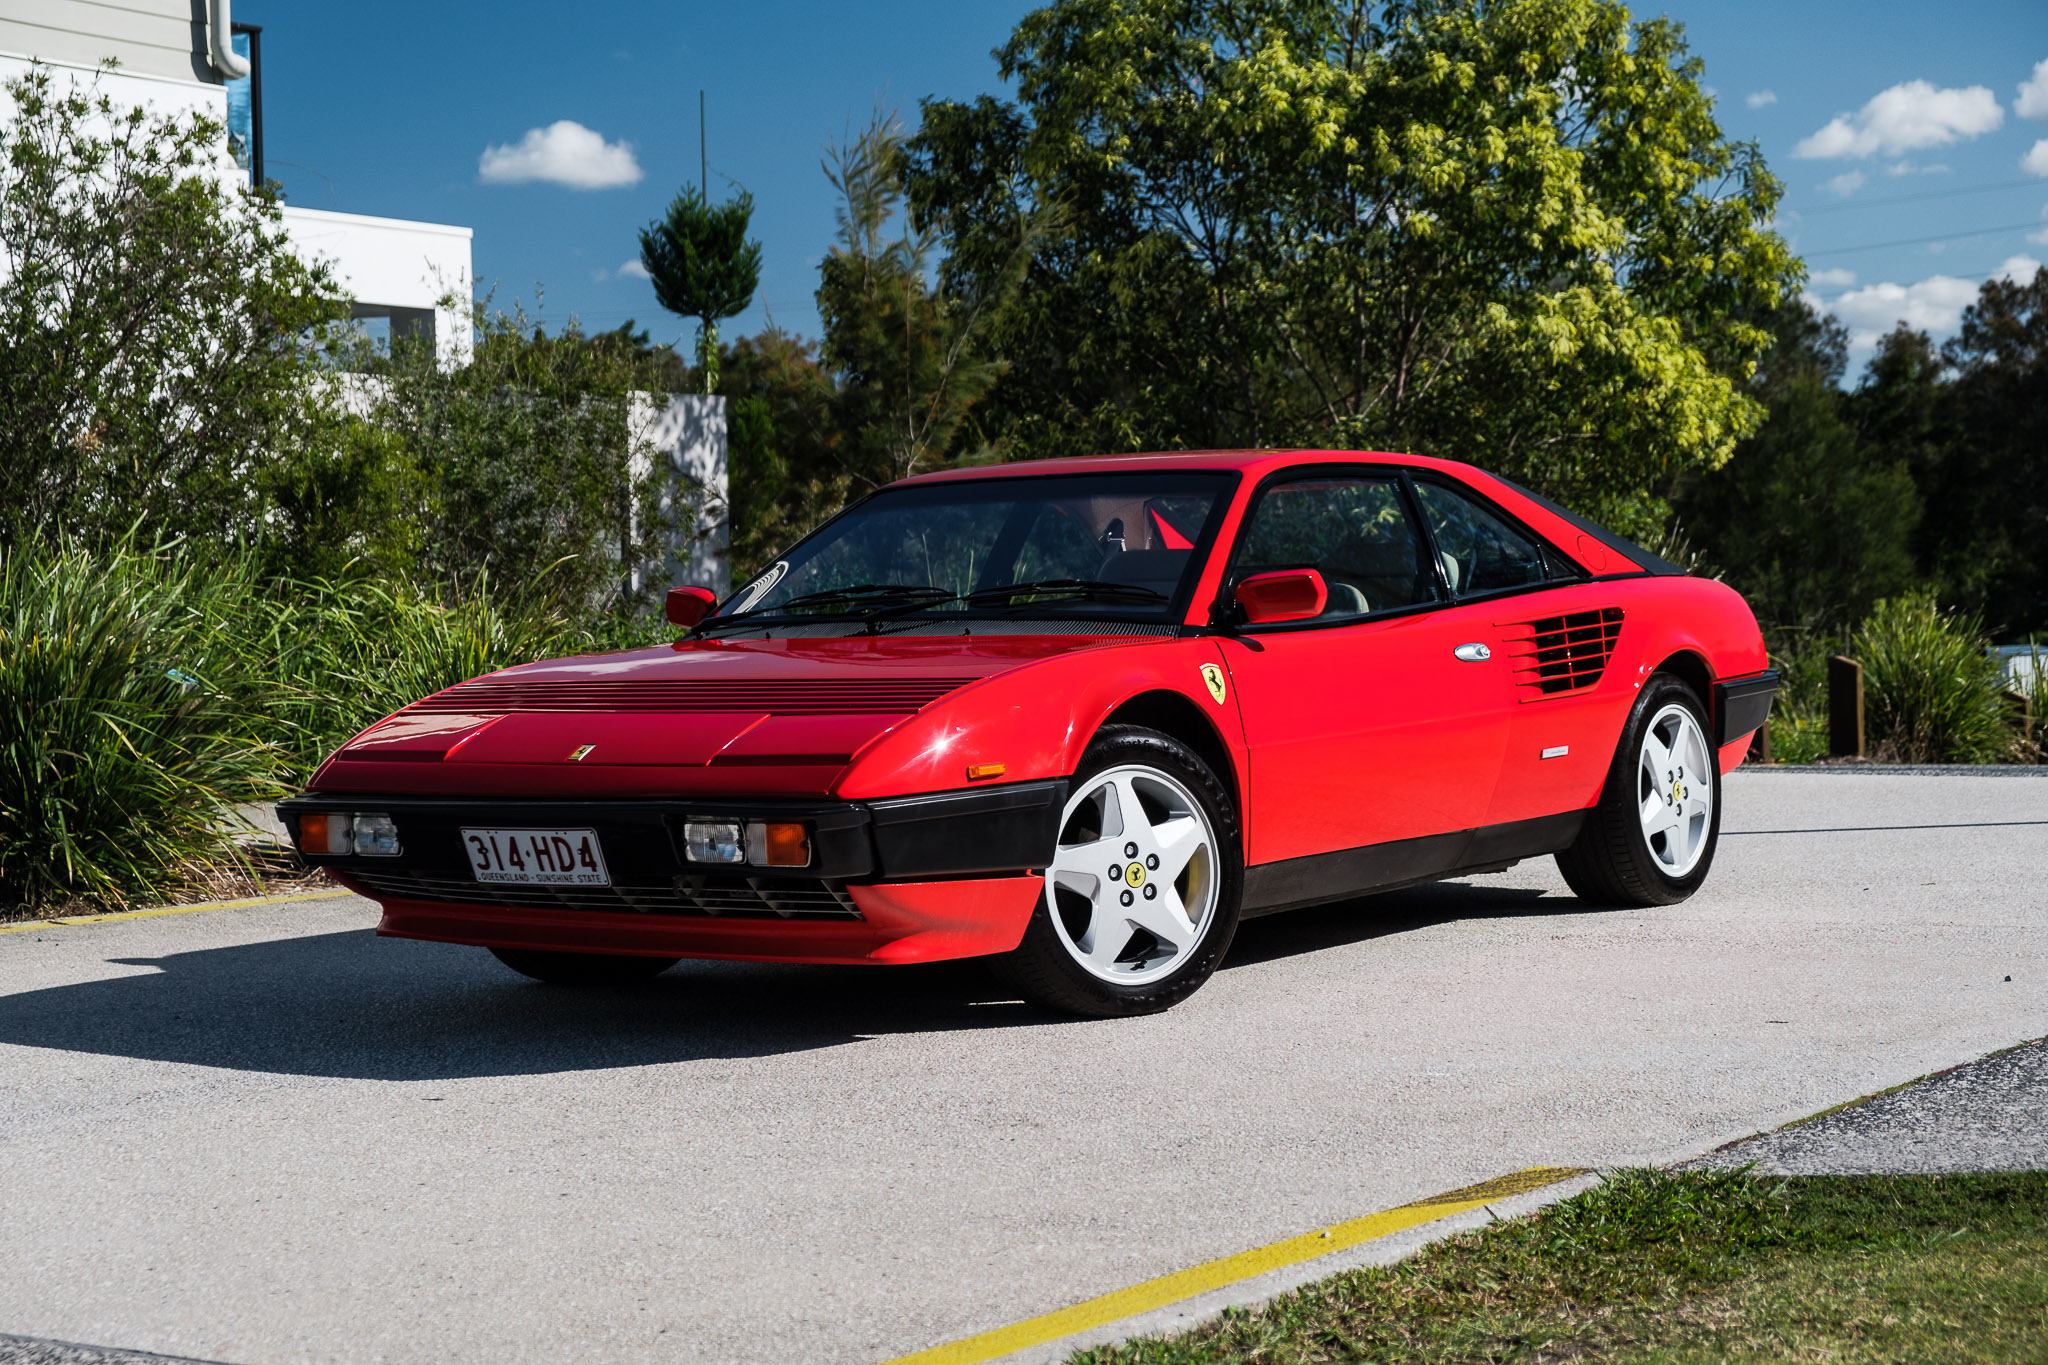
point(703, 161)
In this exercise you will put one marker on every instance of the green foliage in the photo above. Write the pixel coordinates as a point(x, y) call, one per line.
point(910, 360)
point(128, 723)
point(522, 463)
point(1814, 525)
point(1930, 689)
point(703, 266)
point(780, 460)
point(1508, 233)
point(153, 361)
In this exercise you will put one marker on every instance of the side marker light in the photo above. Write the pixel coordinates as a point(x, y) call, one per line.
point(977, 772)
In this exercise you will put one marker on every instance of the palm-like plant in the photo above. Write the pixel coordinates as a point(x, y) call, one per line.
point(703, 266)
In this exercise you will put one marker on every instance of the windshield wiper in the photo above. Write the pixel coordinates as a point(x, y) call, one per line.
point(869, 602)
point(1077, 589)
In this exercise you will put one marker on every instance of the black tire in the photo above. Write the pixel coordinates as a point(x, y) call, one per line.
point(1612, 862)
point(1045, 971)
point(583, 969)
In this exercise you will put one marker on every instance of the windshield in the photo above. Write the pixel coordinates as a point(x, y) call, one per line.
point(1089, 545)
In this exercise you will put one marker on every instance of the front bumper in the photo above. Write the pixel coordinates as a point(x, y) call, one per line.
point(949, 874)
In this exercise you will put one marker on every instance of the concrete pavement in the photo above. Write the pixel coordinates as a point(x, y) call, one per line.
point(265, 1135)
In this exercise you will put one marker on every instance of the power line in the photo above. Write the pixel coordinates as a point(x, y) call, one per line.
point(1918, 198)
point(1920, 241)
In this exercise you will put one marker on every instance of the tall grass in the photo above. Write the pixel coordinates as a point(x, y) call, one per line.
point(143, 696)
point(127, 725)
point(1930, 688)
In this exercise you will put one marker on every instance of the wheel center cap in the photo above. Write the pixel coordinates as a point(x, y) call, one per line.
point(1677, 791)
point(1135, 874)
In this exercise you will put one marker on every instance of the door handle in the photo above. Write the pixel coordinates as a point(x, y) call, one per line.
point(1474, 653)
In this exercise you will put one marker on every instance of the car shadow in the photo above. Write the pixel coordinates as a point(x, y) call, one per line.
point(1318, 927)
point(353, 1006)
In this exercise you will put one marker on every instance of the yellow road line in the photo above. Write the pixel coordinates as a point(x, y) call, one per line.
point(1245, 1265)
point(70, 920)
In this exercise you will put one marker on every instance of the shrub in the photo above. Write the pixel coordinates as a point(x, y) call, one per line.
point(1930, 689)
point(121, 742)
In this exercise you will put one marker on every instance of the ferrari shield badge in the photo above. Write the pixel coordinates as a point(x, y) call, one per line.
point(1213, 676)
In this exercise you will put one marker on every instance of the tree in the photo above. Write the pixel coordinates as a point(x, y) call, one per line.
point(154, 325)
point(910, 360)
point(1507, 232)
point(522, 463)
point(703, 266)
point(1813, 524)
point(780, 463)
point(1991, 509)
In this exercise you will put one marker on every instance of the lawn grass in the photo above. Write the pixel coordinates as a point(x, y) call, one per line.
point(1683, 1268)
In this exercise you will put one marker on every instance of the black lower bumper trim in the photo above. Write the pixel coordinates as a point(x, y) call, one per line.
point(989, 830)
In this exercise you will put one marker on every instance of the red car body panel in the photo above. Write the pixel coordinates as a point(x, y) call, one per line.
point(1340, 740)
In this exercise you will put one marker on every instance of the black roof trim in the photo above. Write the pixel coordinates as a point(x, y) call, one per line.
point(1653, 564)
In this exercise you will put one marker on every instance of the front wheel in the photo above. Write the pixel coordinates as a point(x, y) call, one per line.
point(583, 969)
point(1141, 898)
point(1653, 835)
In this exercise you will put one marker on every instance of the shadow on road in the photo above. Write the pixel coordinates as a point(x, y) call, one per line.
point(353, 1006)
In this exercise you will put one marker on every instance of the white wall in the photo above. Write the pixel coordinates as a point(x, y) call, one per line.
point(394, 263)
point(685, 433)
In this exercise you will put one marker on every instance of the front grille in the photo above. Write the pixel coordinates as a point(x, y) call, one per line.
point(486, 697)
point(1563, 653)
point(742, 897)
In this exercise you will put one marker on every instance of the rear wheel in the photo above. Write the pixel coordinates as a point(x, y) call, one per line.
point(1651, 839)
point(1141, 899)
point(583, 969)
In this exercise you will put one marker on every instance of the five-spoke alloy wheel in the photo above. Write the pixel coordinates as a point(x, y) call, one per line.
point(1651, 838)
point(1141, 897)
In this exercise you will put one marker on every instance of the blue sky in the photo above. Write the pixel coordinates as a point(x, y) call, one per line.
point(1899, 128)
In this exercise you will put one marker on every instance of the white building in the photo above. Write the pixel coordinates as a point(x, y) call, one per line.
point(188, 55)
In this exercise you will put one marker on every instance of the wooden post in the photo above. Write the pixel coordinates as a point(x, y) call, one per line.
point(1845, 708)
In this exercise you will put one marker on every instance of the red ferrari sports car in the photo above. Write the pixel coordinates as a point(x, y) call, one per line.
point(1078, 716)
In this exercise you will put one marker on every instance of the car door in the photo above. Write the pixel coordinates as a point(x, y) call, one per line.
point(1363, 725)
point(1554, 631)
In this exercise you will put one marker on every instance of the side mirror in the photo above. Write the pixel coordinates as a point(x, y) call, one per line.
point(1283, 595)
point(688, 606)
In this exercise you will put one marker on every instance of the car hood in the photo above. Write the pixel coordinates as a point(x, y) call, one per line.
point(765, 716)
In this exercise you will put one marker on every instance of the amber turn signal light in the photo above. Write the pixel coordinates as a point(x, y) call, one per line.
point(778, 844)
point(326, 832)
point(976, 772)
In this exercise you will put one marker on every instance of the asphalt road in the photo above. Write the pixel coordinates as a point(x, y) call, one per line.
point(264, 1135)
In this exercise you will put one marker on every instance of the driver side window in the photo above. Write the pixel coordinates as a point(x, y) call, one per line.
point(1355, 531)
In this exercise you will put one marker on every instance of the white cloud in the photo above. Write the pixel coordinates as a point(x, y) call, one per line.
point(1845, 184)
point(563, 153)
point(1832, 279)
point(2018, 269)
point(1906, 118)
point(2033, 100)
point(2036, 161)
point(1908, 168)
point(634, 269)
point(1757, 99)
point(1933, 305)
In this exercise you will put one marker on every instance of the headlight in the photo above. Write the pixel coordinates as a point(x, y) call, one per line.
point(377, 837)
point(713, 841)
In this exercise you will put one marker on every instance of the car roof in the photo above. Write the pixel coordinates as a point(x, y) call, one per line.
point(1546, 518)
point(1253, 462)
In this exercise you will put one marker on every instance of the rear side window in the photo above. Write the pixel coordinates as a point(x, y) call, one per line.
point(1355, 531)
point(1480, 551)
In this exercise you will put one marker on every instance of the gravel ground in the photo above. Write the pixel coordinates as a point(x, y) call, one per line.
point(30, 1351)
point(1988, 1116)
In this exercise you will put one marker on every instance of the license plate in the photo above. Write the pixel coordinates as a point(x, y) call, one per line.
point(557, 857)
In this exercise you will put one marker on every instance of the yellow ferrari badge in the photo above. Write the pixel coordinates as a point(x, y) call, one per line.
point(1213, 676)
